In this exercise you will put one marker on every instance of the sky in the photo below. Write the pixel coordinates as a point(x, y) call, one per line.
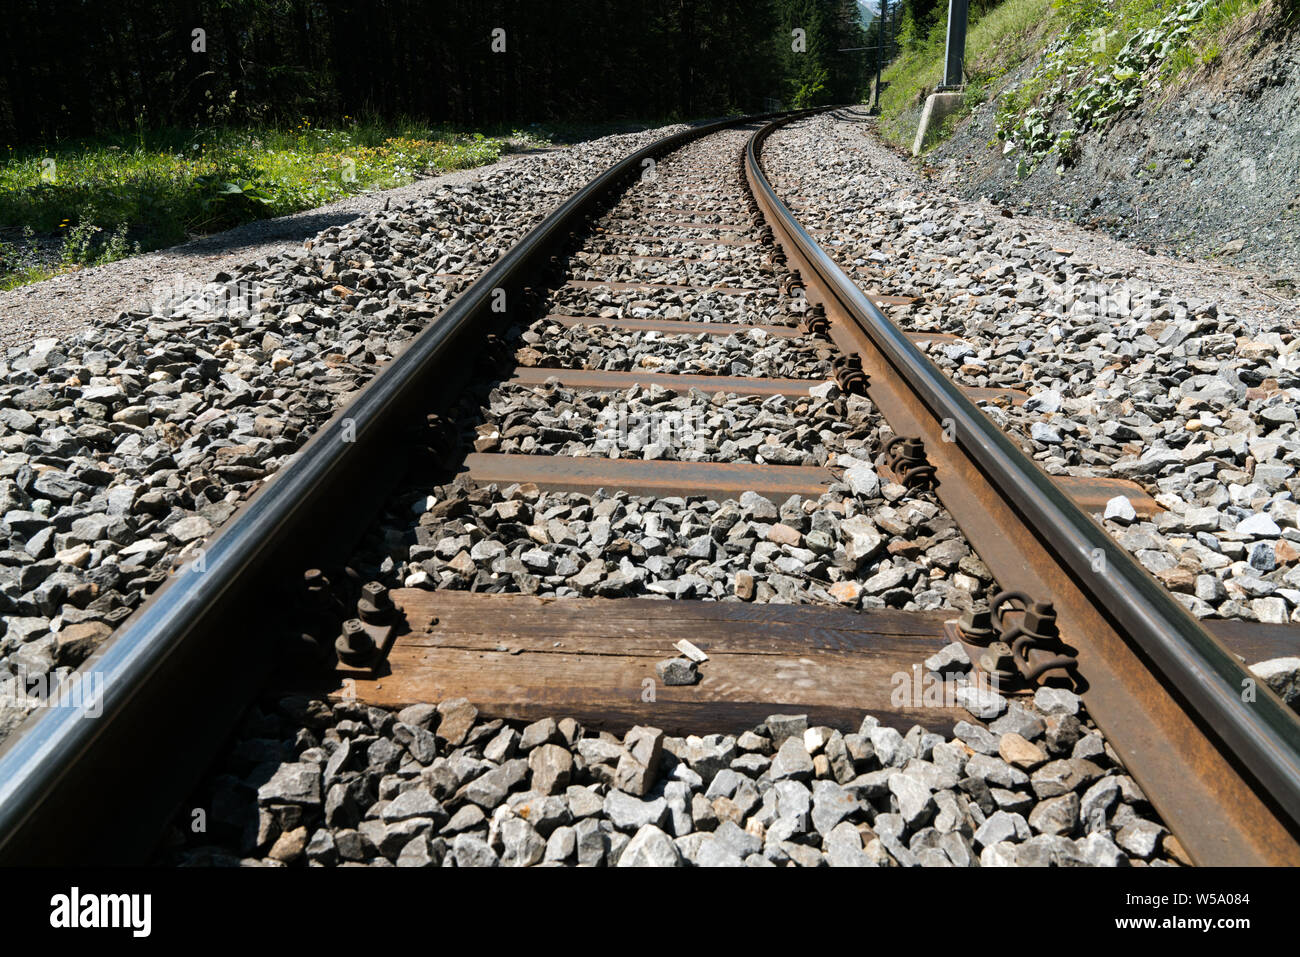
point(868, 10)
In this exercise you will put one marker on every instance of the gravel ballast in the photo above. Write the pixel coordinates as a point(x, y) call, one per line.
point(1138, 367)
point(308, 782)
point(125, 445)
point(312, 784)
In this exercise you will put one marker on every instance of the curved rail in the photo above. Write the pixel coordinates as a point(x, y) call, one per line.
point(87, 783)
point(95, 783)
point(1228, 779)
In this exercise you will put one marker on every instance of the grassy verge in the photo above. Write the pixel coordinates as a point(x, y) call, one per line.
point(1093, 60)
point(68, 205)
point(1206, 45)
point(996, 43)
point(1109, 57)
point(1205, 48)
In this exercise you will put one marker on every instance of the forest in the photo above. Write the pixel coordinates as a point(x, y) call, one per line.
point(76, 68)
point(130, 125)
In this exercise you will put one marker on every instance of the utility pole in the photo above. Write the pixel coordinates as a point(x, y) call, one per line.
point(880, 52)
point(947, 99)
point(955, 52)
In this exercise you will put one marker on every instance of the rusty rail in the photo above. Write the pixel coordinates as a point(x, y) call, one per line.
point(1223, 773)
point(177, 675)
point(97, 782)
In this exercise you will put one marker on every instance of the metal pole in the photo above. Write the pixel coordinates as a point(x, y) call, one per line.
point(955, 53)
point(880, 52)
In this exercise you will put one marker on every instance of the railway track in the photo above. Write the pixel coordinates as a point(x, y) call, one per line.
point(668, 390)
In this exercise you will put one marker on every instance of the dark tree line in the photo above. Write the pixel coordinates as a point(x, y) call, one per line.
point(81, 67)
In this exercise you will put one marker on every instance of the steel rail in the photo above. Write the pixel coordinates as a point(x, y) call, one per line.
point(1223, 771)
point(96, 782)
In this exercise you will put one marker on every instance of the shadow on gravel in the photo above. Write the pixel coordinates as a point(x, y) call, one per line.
point(298, 226)
point(845, 116)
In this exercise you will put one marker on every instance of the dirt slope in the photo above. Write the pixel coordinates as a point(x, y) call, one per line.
point(1209, 168)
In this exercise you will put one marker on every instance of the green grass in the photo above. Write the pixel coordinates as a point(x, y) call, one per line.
point(1093, 59)
point(1205, 46)
point(103, 199)
point(24, 275)
point(995, 43)
point(1109, 57)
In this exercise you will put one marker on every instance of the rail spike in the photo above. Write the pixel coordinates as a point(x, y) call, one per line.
point(849, 375)
point(1037, 648)
point(815, 323)
point(905, 456)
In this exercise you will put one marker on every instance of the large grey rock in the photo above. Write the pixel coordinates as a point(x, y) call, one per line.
point(456, 717)
point(832, 803)
point(844, 847)
point(562, 845)
point(551, 766)
point(980, 701)
point(1283, 676)
point(631, 814)
point(995, 771)
point(1056, 816)
point(592, 842)
point(728, 834)
point(583, 801)
point(639, 765)
point(1056, 701)
point(862, 540)
point(1001, 827)
point(1021, 721)
point(417, 802)
point(792, 761)
point(292, 784)
point(1098, 850)
point(521, 845)
point(545, 731)
point(949, 660)
point(545, 812)
point(677, 671)
point(890, 749)
point(490, 789)
point(915, 802)
point(470, 850)
point(1059, 777)
point(1141, 838)
point(1097, 802)
point(1000, 854)
point(650, 847)
point(713, 853)
point(708, 755)
point(783, 726)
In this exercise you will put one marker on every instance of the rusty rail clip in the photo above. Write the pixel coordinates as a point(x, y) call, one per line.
point(366, 639)
point(1018, 653)
point(815, 323)
point(905, 456)
point(849, 375)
